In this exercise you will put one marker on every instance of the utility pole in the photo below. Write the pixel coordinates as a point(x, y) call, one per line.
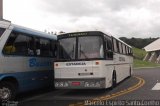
point(1, 9)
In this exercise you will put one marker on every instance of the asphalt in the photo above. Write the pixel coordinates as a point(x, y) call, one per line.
point(139, 96)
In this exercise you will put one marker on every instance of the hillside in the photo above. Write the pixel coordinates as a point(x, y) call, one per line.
point(139, 54)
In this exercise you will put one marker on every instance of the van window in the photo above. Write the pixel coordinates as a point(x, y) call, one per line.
point(9, 46)
point(19, 44)
point(54, 48)
point(45, 47)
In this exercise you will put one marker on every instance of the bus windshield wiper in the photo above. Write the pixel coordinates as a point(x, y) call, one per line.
point(73, 51)
point(82, 53)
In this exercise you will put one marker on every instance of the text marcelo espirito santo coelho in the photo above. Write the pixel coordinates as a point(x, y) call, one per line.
point(121, 102)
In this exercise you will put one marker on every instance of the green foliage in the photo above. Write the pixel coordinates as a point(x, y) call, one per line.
point(138, 53)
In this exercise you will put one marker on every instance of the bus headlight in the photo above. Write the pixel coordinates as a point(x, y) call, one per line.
point(56, 84)
point(86, 84)
point(97, 84)
point(66, 84)
point(61, 84)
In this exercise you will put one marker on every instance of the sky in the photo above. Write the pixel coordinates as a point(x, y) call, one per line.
point(127, 18)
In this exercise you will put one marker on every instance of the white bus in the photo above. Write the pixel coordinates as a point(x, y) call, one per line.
point(26, 57)
point(91, 60)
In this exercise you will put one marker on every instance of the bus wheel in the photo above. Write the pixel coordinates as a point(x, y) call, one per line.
point(7, 90)
point(114, 80)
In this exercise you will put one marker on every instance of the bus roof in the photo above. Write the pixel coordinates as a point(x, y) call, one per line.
point(84, 33)
point(91, 32)
point(33, 32)
point(7, 24)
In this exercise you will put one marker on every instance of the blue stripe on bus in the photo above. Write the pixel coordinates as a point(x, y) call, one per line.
point(31, 80)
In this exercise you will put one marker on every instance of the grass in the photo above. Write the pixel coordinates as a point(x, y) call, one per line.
point(139, 54)
point(140, 63)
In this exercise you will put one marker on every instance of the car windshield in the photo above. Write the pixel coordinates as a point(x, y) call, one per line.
point(85, 47)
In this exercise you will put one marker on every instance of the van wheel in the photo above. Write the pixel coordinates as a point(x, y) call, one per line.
point(114, 80)
point(7, 90)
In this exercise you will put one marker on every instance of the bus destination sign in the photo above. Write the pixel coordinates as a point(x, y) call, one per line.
point(77, 34)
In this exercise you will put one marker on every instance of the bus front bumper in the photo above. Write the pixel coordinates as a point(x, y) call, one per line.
point(94, 83)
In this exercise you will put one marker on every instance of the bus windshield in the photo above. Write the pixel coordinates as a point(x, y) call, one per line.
point(67, 48)
point(84, 47)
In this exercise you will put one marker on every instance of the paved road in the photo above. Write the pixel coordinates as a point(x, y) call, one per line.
point(139, 87)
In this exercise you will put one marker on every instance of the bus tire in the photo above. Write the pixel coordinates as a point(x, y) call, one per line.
point(8, 91)
point(114, 80)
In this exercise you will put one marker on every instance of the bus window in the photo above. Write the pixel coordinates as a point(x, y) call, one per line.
point(109, 52)
point(37, 46)
point(30, 42)
point(45, 47)
point(90, 47)
point(109, 44)
point(130, 52)
point(9, 47)
point(115, 45)
point(53, 48)
point(120, 47)
point(19, 44)
point(124, 50)
point(67, 48)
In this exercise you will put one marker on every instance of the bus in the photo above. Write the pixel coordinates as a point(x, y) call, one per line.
point(91, 60)
point(26, 57)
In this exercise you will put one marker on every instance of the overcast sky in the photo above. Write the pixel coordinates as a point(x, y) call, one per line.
point(129, 18)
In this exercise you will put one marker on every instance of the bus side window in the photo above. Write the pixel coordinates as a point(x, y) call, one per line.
point(18, 44)
point(54, 48)
point(109, 52)
point(124, 49)
point(37, 48)
point(130, 52)
point(9, 47)
point(45, 47)
point(115, 45)
point(31, 46)
point(22, 45)
point(120, 48)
